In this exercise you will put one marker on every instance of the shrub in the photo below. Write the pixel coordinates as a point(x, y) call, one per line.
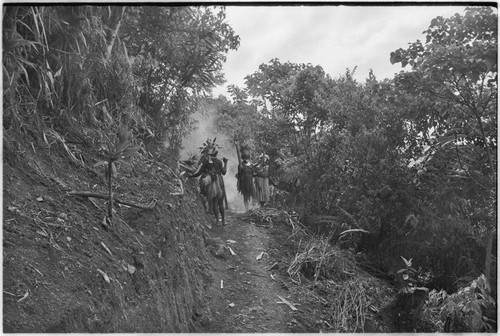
point(470, 309)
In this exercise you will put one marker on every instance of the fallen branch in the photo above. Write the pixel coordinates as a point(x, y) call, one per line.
point(292, 307)
point(24, 297)
point(353, 230)
point(149, 206)
point(106, 248)
point(37, 220)
point(231, 250)
point(104, 275)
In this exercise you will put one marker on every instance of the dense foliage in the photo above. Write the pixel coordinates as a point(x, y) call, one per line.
point(412, 159)
point(90, 69)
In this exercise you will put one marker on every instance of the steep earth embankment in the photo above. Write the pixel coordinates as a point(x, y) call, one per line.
point(68, 269)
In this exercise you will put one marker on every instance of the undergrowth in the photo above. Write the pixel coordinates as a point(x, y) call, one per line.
point(326, 274)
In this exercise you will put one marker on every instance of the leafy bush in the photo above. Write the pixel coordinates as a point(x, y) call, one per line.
point(471, 309)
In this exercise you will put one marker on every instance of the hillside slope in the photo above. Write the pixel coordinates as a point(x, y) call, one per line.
point(66, 269)
point(69, 269)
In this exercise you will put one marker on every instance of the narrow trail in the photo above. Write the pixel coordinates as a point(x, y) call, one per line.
point(248, 301)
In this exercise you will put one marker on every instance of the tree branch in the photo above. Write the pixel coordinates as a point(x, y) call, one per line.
point(149, 206)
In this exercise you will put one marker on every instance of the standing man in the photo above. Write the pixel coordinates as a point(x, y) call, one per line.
point(212, 182)
point(245, 184)
point(262, 180)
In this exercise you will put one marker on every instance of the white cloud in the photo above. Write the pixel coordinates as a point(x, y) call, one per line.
point(334, 37)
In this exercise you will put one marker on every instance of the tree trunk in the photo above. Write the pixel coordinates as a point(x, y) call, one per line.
point(113, 24)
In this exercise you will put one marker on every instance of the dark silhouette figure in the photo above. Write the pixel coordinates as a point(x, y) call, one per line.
point(212, 183)
point(245, 183)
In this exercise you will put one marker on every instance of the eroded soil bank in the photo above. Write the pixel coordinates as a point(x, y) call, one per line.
point(69, 268)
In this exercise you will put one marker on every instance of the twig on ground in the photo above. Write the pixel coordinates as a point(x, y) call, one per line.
point(292, 307)
point(255, 274)
point(24, 297)
point(37, 220)
point(353, 230)
point(35, 269)
point(106, 248)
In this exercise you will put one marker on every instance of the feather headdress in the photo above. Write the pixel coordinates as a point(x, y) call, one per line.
point(209, 147)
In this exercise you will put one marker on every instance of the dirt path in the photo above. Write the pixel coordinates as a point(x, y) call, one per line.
point(248, 301)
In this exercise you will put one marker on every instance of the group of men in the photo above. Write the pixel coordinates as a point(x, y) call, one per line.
point(252, 179)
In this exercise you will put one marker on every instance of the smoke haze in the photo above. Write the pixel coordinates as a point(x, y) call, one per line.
point(207, 130)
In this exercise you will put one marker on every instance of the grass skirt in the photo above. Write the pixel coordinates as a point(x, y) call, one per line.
point(262, 189)
point(212, 186)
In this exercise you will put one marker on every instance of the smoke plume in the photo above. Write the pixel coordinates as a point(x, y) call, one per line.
point(207, 130)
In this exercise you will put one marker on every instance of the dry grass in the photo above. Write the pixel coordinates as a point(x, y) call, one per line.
point(349, 309)
point(336, 281)
point(327, 278)
point(323, 260)
point(349, 305)
point(267, 215)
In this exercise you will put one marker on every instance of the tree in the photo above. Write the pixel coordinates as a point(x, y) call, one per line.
point(455, 71)
point(293, 96)
point(458, 65)
point(177, 54)
point(270, 83)
point(239, 96)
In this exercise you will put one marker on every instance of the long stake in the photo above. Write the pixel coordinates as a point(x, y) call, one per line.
point(225, 194)
point(238, 153)
point(110, 191)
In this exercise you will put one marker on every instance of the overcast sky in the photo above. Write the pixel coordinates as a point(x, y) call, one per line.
point(334, 37)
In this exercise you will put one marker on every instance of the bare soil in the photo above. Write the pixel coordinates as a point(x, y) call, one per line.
point(245, 296)
point(66, 268)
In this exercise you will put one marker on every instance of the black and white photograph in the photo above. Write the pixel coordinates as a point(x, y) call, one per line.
point(249, 167)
